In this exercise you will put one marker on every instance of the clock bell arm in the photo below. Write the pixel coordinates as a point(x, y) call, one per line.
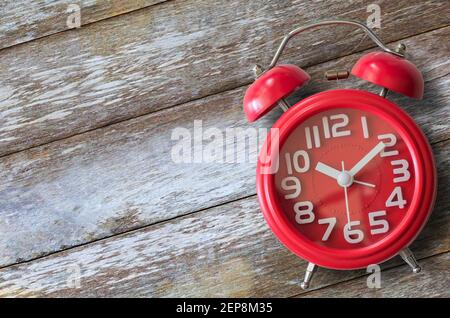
point(398, 51)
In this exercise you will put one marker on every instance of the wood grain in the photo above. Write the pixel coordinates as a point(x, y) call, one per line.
point(226, 251)
point(122, 177)
point(433, 282)
point(25, 20)
point(171, 53)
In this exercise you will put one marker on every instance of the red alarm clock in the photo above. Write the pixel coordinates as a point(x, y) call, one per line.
point(345, 178)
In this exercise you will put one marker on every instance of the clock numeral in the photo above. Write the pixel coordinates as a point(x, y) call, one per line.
point(335, 132)
point(326, 127)
point(396, 198)
point(316, 136)
point(312, 134)
point(291, 184)
point(344, 122)
point(331, 223)
point(304, 212)
point(295, 162)
point(403, 170)
point(365, 128)
point(390, 140)
point(353, 236)
point(382, 225)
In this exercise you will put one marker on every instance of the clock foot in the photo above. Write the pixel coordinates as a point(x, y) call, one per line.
point(310, 270)
point(410, 259)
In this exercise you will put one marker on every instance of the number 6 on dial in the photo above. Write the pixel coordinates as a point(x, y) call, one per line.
point(353, 236)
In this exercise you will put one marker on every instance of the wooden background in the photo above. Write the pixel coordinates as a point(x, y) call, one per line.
point(87, 182)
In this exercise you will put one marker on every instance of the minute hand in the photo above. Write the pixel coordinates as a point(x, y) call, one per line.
point(365, 160)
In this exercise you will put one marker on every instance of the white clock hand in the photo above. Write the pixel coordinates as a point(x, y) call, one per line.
point(365, 160)
point(364, 183)
point(327, 170)
point(347, 209)
point(334, 173)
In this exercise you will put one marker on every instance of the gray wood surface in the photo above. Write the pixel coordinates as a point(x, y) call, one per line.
point(98, 194)
point(122, 177)
point(169, 54)
point(26, 20)
point(224, 251)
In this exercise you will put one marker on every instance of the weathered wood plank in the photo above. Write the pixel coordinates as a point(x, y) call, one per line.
point(223, 251)
point(172, 53)
point(433, 282)
point(122, 177)
point(25, 20)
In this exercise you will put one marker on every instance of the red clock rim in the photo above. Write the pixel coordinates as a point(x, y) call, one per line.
point(418, 211)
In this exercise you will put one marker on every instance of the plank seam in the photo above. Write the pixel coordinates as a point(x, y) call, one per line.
point(136, 229)
point(161, 110)
point(144, 227)
point(82, 26)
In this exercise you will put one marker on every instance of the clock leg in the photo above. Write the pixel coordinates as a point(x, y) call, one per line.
point(310, 270)
point(410, 259)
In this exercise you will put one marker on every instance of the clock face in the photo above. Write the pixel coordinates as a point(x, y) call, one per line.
point(345, 178)
point(351, 181)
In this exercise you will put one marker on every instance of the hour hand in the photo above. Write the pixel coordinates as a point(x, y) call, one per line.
point(327, 170)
